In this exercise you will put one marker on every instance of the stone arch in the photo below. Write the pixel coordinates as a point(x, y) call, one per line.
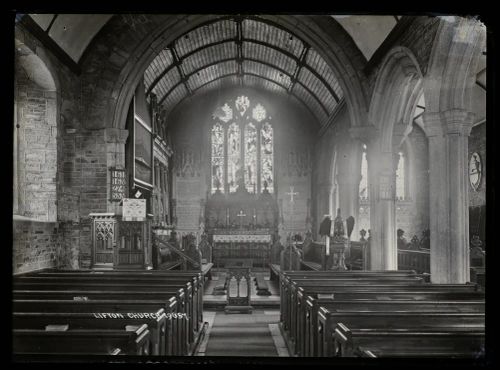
point(396, 93)
point(157, 31)
point(36, 120)
point(451, 74)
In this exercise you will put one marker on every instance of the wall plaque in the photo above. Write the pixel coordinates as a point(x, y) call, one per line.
point(134, 209)
point(118, 182)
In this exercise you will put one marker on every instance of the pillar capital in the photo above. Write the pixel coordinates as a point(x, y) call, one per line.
point(115, 135)
point(366, 134)
point(453, 121)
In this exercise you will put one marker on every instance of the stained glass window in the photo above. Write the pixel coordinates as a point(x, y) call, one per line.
point(217, 158)
point(246, 152)
point(363, 185)
point(259, 113)
point(251, 157)
point(266, 157)
point(233, 156)
point(400, 178)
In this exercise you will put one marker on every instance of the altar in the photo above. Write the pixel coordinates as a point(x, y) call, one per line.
point(253, 246)
point(241, 225)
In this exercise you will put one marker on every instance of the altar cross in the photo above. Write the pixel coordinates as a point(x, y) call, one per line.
point(241, 214)
point(292, 193)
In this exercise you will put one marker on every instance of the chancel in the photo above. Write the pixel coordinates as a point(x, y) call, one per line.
point(268, 185)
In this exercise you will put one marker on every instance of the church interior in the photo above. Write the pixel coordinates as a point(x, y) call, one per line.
point(248, 186)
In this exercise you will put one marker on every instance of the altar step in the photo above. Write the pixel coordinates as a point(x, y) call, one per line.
point(219, 303)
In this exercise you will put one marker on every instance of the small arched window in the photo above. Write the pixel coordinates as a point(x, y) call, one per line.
point(401, 193)
point(363, 184)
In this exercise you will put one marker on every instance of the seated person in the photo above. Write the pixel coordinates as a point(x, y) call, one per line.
point(477, 253)
point(402, 243)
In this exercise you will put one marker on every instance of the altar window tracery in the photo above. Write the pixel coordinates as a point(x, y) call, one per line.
point(242, 147)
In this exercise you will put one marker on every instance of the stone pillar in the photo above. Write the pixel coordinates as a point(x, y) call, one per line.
point(115, 154)
point(381, 182)
point(381, 174)
point(449, 198)
point(348, 178)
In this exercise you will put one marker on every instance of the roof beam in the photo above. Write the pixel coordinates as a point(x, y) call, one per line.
point(240, 55)
point(177, 63)
point(300, 64)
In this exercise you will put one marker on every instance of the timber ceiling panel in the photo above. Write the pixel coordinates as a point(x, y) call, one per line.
point(243, 51)
point(222, 82)
point(315, 107)
point(166, 83)
point(172, 99)
point(307, 78)
point(266, 72)
point(254, 81)
point(157, 66)
point(263, 32)
point(204, 35)
point(317, 63)
point(212, 72)
point(269, 55)
point(209, 56)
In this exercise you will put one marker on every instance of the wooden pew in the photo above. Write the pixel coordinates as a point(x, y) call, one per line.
point(309, 304)
point(193, 295)
point(156, 322)
point(469, 342)
point(290, 305)
point(176, 338)
point(323, 330)
point(292, 301)
point(432, 321)
point(90, 342)
point(132, 275)
point(112, 295)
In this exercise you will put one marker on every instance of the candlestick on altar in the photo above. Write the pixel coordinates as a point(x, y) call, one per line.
point(227, 216)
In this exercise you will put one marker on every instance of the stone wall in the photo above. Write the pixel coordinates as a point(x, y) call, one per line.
point(61, 191)
point(36, 245)
point(36, 148)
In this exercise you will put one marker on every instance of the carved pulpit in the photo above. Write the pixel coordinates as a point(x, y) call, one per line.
point(241, 225)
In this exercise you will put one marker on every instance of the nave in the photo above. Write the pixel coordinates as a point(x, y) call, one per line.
point(249, 185)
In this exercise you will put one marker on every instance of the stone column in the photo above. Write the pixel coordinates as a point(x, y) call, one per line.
point(381, 182)
point(448, 195)
point(115, 154)
point(381, 174)
point(348, 178)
